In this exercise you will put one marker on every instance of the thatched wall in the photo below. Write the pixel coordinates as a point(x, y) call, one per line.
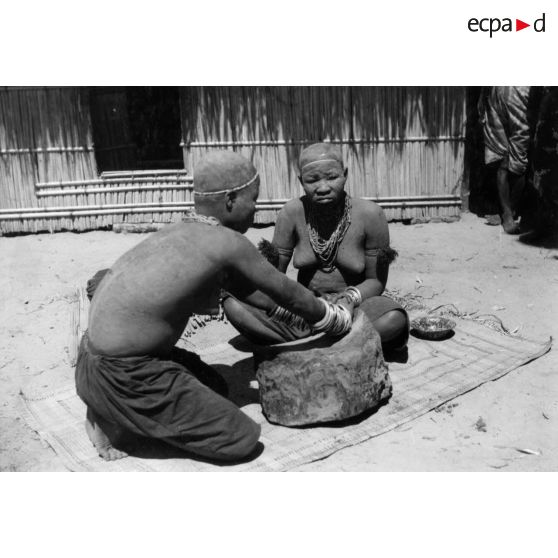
point(403, 146)
point(45, 136)
point(49, 177)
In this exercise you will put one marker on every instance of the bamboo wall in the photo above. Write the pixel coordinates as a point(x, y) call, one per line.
point(49, 179)
point(45, 136)
point(404, 146)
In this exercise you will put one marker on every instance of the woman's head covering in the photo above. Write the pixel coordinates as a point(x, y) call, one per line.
point(320, 152)
point(221, 172)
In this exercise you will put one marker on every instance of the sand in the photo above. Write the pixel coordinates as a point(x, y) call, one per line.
point(467, 263)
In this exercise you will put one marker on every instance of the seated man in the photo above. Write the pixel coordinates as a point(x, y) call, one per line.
point(129, 373)
point(340, 246)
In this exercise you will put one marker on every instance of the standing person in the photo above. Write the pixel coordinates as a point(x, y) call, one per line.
point(545, 161)
point(504, 115)
point(341, 248)
point(130, 374)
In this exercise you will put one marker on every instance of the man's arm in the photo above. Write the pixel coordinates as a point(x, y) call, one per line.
point(246, 263)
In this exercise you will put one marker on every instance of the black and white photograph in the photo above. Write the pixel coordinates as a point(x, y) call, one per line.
point(279, 278)
point(299, 260)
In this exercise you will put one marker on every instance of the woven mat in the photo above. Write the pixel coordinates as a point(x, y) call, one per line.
point(435, 373)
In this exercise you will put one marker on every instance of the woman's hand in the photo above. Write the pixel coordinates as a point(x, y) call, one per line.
point(348, 304)
point(350, 295)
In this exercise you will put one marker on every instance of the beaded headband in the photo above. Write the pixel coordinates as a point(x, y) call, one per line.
point(235, 189)
point(319, 161)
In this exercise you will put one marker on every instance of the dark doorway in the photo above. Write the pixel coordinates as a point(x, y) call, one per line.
point(154, 115)
point(136, 128)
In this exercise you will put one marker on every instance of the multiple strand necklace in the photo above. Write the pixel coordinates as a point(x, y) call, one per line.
point(326, 248)
point(195, 218)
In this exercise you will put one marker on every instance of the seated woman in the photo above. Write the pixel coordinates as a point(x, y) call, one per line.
point(340, 246)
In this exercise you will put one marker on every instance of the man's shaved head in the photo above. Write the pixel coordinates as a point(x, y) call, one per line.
point(226, 186)
point(221, 171)
point(320, 152)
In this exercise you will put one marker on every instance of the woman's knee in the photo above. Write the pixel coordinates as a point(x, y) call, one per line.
point(393, 325)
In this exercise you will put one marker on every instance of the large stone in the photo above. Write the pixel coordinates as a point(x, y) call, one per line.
point(323, 379)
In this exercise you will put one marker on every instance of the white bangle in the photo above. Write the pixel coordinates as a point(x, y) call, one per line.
point(355, 295)
point(278, 313)
point(326, 321)
point(343, 322)
point(336, 321)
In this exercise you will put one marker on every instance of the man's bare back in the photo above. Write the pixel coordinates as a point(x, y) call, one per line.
point(144, 302)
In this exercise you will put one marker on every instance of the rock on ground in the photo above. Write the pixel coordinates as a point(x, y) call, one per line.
point(323, 379)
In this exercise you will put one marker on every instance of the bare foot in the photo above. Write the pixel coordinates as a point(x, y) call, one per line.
point(100, 440)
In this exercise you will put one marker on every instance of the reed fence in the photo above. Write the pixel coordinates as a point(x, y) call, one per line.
point(398, 142)
point(404, 147)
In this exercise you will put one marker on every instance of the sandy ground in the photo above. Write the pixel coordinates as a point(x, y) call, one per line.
point(466, 263)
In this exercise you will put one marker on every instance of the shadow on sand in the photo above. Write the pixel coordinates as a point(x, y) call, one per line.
point(547, 239)
point(148, 448)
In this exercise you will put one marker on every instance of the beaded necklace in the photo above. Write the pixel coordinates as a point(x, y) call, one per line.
point(195, 218)
point(326, 249)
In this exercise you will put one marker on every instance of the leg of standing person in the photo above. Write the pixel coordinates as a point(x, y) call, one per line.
point(509, 187)
point(516, 162)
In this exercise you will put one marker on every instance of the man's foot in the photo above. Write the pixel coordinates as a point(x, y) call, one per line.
point(100, 440)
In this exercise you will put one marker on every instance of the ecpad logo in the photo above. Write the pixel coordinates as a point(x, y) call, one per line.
point(492, 25)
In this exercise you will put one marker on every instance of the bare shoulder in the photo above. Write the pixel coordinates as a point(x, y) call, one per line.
point(291, 214)
point(232, 245)
point(214, 241)
point(373, 219)
point(292, 208)
point(367, 209)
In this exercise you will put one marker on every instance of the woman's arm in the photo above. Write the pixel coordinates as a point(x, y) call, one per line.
point(376, 252)
point(284, 236)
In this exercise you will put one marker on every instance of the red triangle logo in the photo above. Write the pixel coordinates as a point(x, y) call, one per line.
point(519, 25)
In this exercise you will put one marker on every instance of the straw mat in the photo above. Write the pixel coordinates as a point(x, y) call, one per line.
point(436, 372)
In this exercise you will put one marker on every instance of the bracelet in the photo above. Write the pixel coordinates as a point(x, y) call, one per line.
point(354, 295)
point(343, 321)
point(327, 320)
point(280, 314)
point(336, 321)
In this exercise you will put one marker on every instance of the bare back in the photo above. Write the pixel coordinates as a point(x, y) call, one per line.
point(144, 302)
